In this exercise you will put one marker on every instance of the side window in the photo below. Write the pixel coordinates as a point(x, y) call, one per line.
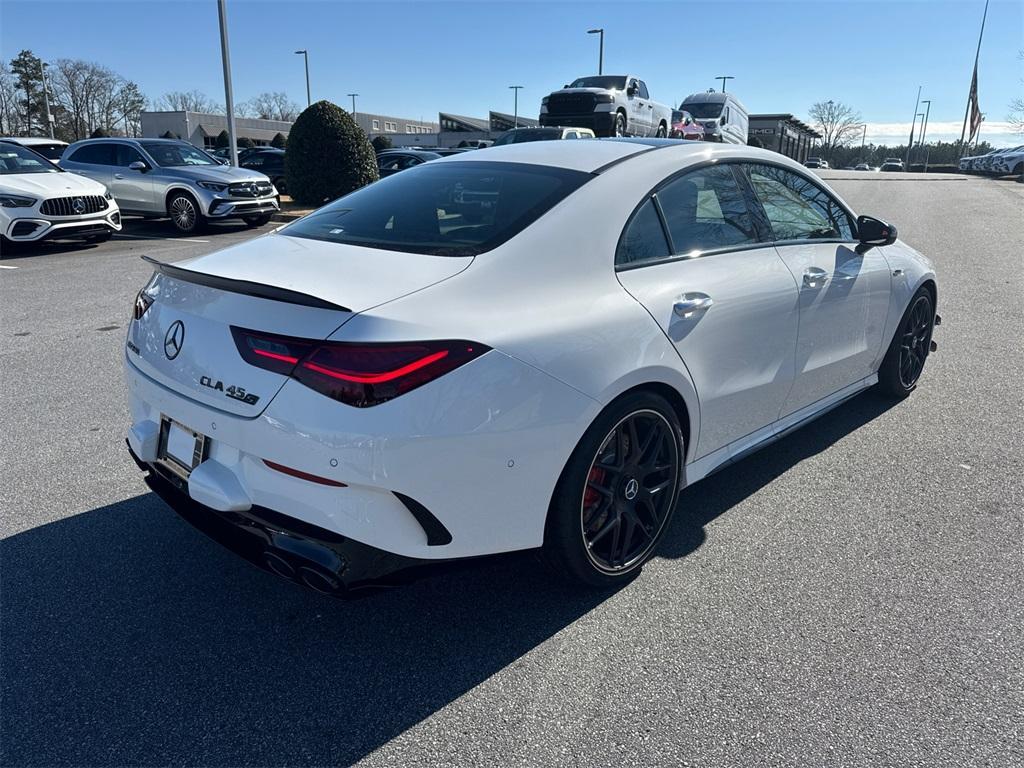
point(796, 207)
point(127, 155)
point(706, 210)
point(644, 238)
point(643, 90)
point(94, 154)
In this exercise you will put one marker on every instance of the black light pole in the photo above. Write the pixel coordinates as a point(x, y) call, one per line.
point(305, 55)
point(515, 107)
point(863, 138)
point(600, 50)
point(723, 78)
point(913, 124)
point(229, 97)
point(924, 130)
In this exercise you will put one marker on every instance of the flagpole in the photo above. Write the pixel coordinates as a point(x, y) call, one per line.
point(974, 76)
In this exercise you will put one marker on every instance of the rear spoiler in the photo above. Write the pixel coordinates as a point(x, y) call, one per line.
point(244, 287)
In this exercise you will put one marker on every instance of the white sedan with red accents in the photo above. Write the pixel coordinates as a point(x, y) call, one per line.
point(528, 346)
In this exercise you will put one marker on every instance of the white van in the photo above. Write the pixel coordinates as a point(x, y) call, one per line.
point(723, 116)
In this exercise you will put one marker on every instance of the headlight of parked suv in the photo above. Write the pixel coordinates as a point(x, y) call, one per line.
point(213, 186)
point(16, 201)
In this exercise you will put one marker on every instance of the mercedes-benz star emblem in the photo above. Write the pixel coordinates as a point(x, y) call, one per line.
point(78, 205)
point(174, 339)
point(632, 489)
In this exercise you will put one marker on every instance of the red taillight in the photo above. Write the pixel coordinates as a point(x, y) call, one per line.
point(357, 374)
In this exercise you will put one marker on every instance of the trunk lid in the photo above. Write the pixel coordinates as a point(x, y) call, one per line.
point(275, 284)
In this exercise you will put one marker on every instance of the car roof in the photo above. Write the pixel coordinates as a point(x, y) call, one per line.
point(31, 141)
point(594, 154)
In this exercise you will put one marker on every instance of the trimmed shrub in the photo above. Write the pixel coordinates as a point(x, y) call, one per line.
point(99, 133)
point(328, 155)
point(245, 142)
point(279, 141)
point(380, 143)
point(169, 135)
point(223, 140)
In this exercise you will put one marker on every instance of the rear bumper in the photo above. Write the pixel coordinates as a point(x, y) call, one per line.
point(284, 546)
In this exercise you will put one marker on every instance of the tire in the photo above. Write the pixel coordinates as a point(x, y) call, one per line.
point(619, 125)
point(904, 361)
point(609, 511)
point(281, 185)
point(185, 213)
point(257, 221)
point(661, 132)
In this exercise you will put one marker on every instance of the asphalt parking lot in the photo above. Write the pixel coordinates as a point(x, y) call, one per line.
point(850, 596)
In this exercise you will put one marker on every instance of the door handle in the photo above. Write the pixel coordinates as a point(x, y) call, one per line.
point(118, 176)
point(814, 277)
point(689, 304)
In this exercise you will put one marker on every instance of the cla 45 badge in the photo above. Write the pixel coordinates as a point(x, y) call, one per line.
point(237, 393)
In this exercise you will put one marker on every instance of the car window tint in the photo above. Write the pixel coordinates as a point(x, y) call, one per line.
point(94, 154)
point(796, 207)
point(643, 90)
point(443, 209)
point(706, 210)
point(127, 155)
point(644, 238)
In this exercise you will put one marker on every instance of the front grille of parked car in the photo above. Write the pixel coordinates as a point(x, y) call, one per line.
point(570, 103)
point(250, 189)
point(74, 206)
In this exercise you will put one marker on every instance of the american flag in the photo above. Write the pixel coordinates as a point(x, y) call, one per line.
point(975, 110)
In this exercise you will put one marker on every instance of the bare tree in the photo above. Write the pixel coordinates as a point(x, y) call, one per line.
point(10, 119)
point(188, 101)
point(274, 106)
point(837, 123)
point(1016, 116)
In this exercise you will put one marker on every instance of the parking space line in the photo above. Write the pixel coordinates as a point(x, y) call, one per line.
point(5, 266)
point(154, 237)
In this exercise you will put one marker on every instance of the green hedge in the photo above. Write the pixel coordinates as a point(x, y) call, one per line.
point(328, 155)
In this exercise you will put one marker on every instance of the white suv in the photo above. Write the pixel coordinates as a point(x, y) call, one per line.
point(39, 201)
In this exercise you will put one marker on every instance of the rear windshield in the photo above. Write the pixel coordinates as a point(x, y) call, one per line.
point(520, 135)
point(442, 208)
point(49, 151)
point(607, 82)
point(15, 159)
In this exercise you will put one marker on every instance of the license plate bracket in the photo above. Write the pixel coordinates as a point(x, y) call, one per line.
point(182, 449)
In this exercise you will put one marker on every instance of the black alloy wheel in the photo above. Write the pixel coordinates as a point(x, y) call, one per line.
point(617, 492)
point(904, 361)
point(629, 489)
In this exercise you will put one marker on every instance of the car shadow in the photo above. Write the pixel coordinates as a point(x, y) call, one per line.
point(129, 638)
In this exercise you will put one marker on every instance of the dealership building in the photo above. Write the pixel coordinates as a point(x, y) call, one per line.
point(782, 133)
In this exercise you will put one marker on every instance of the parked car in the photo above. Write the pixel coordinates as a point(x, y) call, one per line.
point(449, 151)
point(393, 385)
point(171, 178)
point(270, 162)
point(391, 161)
point(51, 149)
point(862, 167)
point(892, 165)
point(722, 116)
point(548, 133)
point(816, 162)
point(685, 127)
point(1009, 161)
point(39, 201)
point(609, 105)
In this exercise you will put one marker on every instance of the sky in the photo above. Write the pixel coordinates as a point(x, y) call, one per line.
point(414, 59)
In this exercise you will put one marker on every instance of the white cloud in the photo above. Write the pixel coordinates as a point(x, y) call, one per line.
point(995, 132)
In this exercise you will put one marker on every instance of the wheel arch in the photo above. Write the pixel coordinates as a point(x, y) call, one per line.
point(180, 188)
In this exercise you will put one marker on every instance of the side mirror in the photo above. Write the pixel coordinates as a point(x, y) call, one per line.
point(872, 231)
point(138, 165)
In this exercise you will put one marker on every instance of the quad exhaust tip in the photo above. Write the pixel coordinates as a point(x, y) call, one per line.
point(305, 572)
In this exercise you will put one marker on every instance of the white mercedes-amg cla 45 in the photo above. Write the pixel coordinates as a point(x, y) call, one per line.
point(530, 346)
